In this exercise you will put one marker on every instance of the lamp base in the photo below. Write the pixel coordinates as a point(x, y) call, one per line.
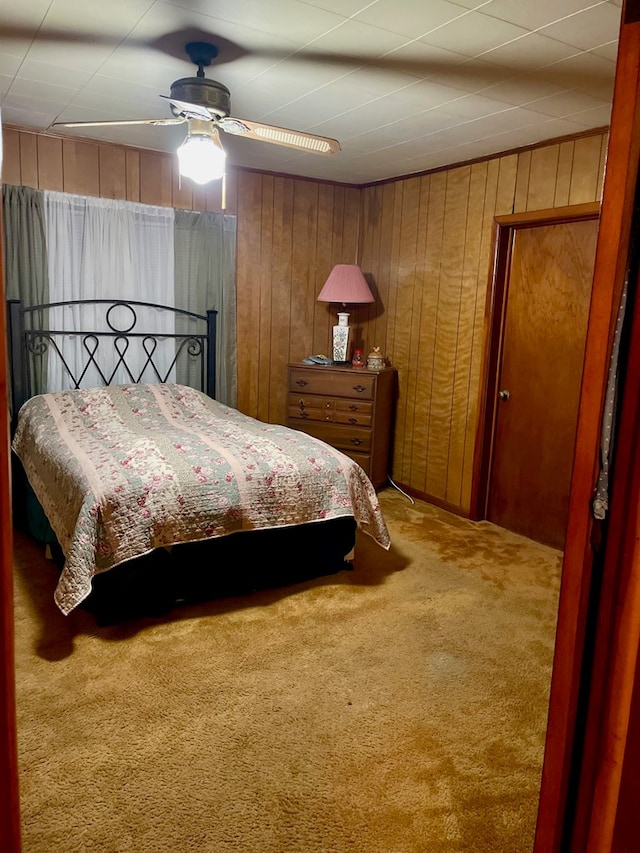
point(341, 340)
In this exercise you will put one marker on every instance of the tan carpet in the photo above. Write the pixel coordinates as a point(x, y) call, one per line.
point(396, 708)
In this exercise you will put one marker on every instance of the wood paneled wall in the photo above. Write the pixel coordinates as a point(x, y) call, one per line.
point(290, 234)
point(68, 165)
point(427, 243)
point(424, 242)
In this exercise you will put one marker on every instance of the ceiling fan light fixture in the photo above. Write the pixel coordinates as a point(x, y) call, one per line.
point(205, 105)
point(201, 157)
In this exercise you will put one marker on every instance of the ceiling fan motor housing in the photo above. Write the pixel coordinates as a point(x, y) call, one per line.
point(207, 93)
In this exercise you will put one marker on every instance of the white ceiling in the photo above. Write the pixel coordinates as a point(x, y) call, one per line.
point(404, 85)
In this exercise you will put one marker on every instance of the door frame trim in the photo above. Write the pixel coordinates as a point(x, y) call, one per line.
point(505, 228)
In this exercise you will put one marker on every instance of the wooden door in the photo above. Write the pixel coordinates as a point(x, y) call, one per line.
point(548, 291)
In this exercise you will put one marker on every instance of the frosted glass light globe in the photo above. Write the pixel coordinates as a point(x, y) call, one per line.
point(202, 159)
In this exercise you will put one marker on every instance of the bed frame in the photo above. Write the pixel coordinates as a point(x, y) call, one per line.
point(31, 342)
point(156, 583)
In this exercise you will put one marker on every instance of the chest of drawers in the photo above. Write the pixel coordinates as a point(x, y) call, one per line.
point(349, 408)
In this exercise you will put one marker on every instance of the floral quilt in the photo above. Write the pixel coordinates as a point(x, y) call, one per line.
point(122, 470)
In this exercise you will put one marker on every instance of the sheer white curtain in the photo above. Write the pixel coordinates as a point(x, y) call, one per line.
point(107, 249)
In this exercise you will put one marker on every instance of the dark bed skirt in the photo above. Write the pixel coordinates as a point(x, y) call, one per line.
point(234, 565)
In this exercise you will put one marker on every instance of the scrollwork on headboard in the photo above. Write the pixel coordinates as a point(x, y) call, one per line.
point(129, 341)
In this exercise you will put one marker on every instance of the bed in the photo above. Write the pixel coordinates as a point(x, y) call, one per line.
point(155, 492)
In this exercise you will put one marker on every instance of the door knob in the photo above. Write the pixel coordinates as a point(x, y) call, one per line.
point(503, 395)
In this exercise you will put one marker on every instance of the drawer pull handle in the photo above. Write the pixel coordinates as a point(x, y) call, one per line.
point(359, 388)
point(304, 414)
point(301, 405)
point(327, 417)
point(353, 407)
point(301, 382)
point(356, 441)
point(353, 420)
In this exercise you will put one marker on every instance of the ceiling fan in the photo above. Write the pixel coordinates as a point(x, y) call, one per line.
point(205, 106)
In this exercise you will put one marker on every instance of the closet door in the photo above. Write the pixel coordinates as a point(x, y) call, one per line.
point(548, 292)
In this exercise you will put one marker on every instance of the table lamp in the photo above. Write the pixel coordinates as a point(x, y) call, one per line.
point(346, 285)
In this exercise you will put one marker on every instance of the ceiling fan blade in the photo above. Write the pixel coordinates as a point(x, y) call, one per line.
point(158, 122)
point(188, 110)
point(279, 135)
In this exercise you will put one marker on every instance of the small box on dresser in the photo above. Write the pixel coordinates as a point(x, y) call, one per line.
point(349, 408)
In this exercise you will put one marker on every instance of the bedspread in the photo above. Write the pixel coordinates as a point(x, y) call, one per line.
point(126, 469)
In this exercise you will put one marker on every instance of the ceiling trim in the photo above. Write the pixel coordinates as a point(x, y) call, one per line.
point(595, 131)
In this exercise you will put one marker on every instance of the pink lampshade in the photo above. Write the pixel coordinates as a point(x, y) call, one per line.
point(346, 284)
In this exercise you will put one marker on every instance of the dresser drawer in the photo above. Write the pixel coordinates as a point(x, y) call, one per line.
point(341, 436)
point(360, 386)
point(335, 409)
point(307, 408)
point(355, 408)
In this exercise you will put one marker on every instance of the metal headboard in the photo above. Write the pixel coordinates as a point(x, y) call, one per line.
point(30, 343)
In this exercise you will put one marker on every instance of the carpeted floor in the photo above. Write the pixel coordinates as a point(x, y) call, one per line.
point(396, 708)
